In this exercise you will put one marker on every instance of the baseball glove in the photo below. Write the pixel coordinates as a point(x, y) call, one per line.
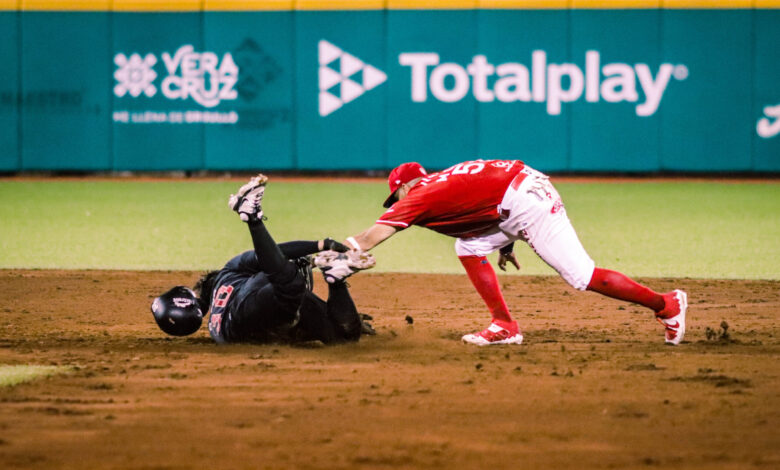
point(337, 266)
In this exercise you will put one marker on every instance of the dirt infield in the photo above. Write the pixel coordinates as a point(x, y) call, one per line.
point(592, 387)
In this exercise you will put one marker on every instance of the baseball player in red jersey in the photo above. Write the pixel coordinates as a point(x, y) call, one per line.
point(489, 204)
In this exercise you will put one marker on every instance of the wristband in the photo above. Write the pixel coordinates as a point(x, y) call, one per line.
point(354, 243)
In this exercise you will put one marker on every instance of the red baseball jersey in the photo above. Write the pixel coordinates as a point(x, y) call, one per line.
point(461, 201)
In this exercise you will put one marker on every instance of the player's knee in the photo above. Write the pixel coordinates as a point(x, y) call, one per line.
point(287, 275)
point(578, 280)
point(579, 286)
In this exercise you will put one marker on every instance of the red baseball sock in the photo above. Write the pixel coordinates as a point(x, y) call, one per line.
point(619, 286)
point(483, 276)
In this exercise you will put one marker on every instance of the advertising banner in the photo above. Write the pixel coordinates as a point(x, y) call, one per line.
point(64, 91)
point(707, 120)
point(766, 92)
point(165, 83)
point(582, 90)
point(341, 102)
point(9, 92)
point(261, 48)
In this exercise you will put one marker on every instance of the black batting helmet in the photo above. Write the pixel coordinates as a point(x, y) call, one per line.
point(177, 311)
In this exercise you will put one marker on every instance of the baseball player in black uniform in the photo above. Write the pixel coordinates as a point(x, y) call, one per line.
point(264, 295)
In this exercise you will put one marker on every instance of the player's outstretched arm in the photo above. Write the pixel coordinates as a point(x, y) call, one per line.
point(372, 237)
point(298, 248)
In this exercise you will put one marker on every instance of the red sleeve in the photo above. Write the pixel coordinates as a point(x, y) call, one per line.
point(404, 213)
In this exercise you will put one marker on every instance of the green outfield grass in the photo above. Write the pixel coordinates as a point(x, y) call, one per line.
point(656, 229)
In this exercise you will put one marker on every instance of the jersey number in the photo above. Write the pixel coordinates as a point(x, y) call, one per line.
point(470, 168)
point(223, 294)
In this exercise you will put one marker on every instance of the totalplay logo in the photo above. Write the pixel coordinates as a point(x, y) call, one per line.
point(542, 82)
point(343, 77)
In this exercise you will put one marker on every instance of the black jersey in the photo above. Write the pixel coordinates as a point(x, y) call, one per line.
point(247, 306)
point(229, 292)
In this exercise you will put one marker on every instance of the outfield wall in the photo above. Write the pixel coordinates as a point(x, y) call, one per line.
point(621, 85)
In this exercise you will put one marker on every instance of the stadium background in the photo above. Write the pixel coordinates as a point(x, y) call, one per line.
point(86, 85)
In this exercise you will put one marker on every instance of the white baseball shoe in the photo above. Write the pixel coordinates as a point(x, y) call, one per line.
point(337, 266)
point(672, 317)
point(493, 334)
point(248, 198)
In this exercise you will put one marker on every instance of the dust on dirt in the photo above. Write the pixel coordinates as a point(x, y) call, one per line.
point(593, 386)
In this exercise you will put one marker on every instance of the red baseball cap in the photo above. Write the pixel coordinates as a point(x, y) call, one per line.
point(400, 175)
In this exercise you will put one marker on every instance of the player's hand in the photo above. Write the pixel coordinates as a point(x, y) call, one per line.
point(331, 244)
point(510, 257)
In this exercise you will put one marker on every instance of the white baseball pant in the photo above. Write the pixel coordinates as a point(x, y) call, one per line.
point(533, 212)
